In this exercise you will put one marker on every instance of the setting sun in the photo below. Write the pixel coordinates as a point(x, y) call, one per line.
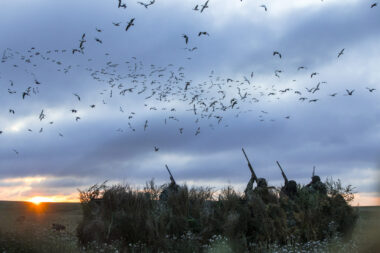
point(38, 200)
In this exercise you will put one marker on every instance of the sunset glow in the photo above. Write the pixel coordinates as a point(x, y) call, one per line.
point(37, 200)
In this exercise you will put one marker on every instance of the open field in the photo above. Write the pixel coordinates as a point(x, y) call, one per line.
point(26, 227)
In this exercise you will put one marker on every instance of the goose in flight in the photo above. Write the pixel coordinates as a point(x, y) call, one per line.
point(121, 5)
point(42, 115)
point(370, 89)
point(277, 53)
point(203, 33)
point(340, 53)
point(313, 74)
point(204, 6)
point(186, 38)
point(349, 92)
point(130, 23)
point(78, 97)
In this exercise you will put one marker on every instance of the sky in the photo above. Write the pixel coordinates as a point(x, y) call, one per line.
point(131, 101)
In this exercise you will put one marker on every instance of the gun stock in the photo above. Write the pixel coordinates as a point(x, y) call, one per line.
point(283, 173)
point(250, 166)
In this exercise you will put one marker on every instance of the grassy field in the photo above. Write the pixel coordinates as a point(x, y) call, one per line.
point(26, 227)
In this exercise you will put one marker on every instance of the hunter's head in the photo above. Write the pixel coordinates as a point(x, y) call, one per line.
point(261, 182)
point(315, 179)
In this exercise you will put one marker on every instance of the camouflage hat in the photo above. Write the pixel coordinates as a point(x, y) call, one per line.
point(315, 179)
point(261, 182)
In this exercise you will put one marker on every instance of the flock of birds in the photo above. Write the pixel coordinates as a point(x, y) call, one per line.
point(162, 88)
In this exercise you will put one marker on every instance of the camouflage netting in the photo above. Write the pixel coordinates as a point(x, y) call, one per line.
point(190, 218)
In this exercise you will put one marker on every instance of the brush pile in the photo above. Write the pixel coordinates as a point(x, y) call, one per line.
point(192, 218)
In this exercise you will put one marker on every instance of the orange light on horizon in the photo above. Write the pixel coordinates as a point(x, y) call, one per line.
point(38, 200)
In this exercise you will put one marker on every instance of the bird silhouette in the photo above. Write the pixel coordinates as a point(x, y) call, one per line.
point(301, 67)
point(156, 149)
point(130, 23)
point(203, 33)
point(78, 97)
point(264, 6)
point(42, 115)
point(340, 53)
point(313, 74)
point(277, 53)
point(370, 89)
point(204, 6)
point(186, 38)
point(373, 5)
point(122, 5)
point(349, 92)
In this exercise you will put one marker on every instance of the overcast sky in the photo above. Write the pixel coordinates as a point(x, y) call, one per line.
point(274, 118)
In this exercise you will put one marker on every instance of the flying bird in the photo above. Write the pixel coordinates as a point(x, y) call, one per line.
point(196, 8)
point(203, 33)
point(301, 67)
point(340, 53)
point(187, 85)
point(121, 5)
point(146, 5)
point(78, 97)
point(186, 38)
point(313, 74)
point(156, 149)
point(146, 124)
point(277, 53)
point(42, 115)
point(370, 89)
point(373, 5)
point(204, 6)
point(349, 92)
point(98, 40)
point(264, 6)
point(130, 23)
